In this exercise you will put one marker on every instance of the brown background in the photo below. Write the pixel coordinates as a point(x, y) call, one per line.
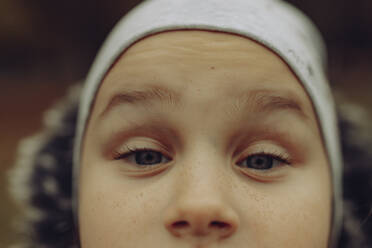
point(47, 45)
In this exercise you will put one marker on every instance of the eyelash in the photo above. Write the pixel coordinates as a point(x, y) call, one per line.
point(134, 151)
point(281, 157)
point(131, 151)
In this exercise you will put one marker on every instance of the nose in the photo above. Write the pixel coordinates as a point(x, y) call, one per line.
point(200, 219)
point(200, 207)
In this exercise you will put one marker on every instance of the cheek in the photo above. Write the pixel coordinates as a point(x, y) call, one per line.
point(114, 210)
point(297, 223)
point(296, 213)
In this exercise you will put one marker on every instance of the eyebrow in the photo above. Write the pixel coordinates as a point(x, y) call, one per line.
point(143, 97)
point(266, 101)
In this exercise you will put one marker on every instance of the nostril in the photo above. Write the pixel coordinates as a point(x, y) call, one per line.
point(180, 224)
point(219, 225)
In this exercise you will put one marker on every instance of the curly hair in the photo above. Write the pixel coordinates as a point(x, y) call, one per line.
point(42, 179)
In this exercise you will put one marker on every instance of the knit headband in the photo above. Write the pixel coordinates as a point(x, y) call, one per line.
point(273, 23)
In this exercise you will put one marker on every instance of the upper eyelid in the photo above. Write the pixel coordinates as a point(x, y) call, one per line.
point(142, 142)
point(168, 134)
point(245, 145)
point(154, 134)
point(262, 147)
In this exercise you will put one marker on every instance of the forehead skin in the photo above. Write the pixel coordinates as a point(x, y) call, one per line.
point(210, 54)
point(204, 129)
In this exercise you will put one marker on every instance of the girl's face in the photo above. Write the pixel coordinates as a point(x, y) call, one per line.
point(202, 139)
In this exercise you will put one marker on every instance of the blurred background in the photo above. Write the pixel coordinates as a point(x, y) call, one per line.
point(48, 45)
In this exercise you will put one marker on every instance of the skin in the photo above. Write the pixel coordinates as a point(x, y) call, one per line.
point(206, 101)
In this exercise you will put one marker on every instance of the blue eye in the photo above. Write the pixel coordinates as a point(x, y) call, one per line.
point(147, 157)
point(262, 162)
point(143, 157)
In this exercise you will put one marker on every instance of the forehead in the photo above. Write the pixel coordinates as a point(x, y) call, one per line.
point(201, 63)
point(200, 48)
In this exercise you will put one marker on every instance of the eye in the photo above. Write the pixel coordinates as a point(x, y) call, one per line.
point(143, 157)
point(262, 161)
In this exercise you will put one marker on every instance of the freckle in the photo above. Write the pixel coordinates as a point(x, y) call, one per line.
point(212, 68)
point(134, 221)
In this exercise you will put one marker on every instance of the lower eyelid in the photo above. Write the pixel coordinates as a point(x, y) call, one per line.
point(266, 175)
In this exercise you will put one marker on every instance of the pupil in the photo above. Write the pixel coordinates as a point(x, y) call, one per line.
point(261, 162)
point(148, 157)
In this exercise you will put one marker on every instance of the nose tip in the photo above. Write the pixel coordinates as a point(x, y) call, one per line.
point(213, 222)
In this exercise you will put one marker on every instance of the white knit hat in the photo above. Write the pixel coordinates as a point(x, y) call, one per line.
point(273, 23)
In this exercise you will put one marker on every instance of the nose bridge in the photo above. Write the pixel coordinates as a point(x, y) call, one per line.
point(201, 172)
